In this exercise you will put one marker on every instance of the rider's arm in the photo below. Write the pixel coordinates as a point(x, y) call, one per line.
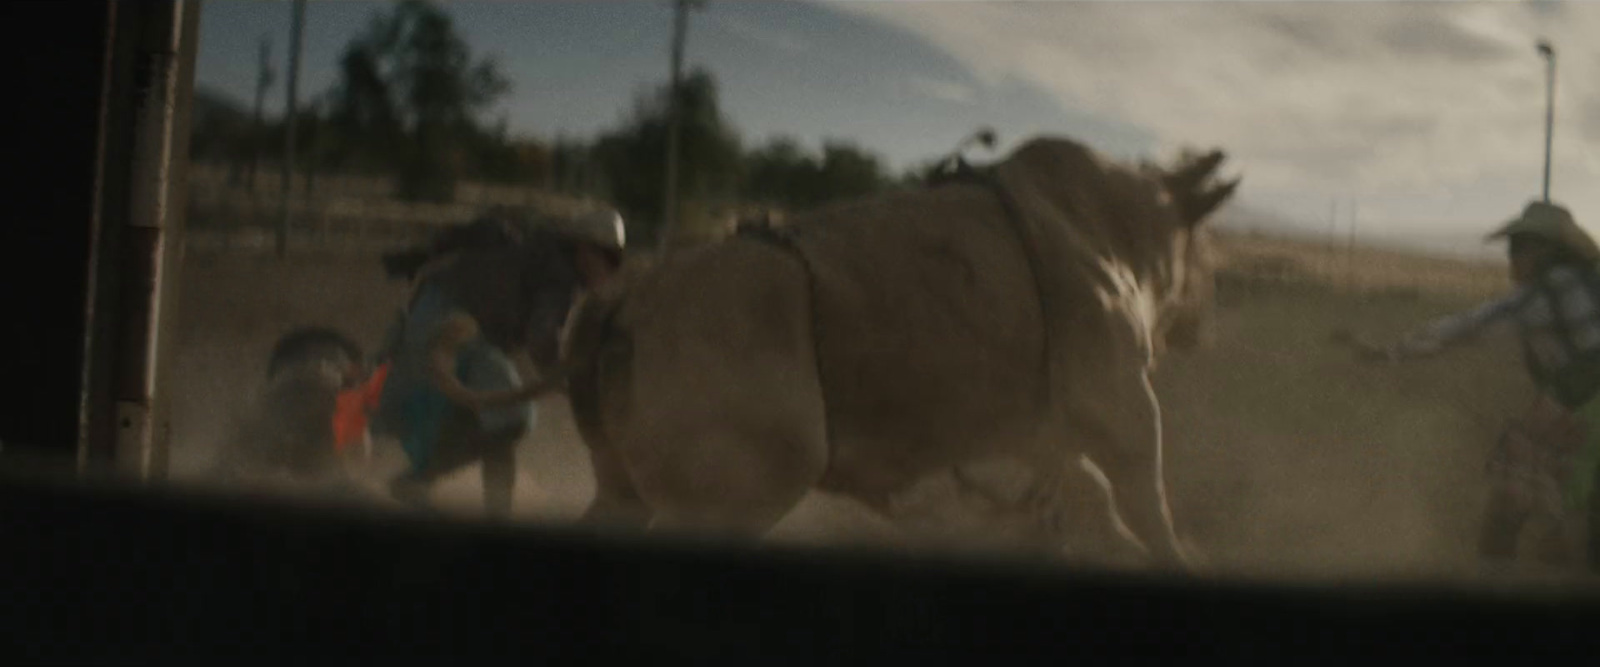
point(442, 352)
point(1451, 329)
point(537, 381)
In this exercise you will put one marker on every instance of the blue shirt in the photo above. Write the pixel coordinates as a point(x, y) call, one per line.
point(411, 407)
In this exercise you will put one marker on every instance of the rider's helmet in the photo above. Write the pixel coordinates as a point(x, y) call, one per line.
point(602, 227)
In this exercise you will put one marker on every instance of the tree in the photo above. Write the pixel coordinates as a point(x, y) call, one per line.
point(410, 76)
point(633, 157)
point(364, 114)
point(500, 158)
point(572, 168)
point(777, 174)
point(781, 174)
point(848, 172)
point(221, 129)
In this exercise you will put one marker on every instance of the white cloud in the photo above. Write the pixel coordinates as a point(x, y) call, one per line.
point(775, 39)
point(948, 91)
point(1381, 98)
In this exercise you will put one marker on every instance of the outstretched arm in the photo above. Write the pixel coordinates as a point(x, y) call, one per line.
point(442, 370)
point(1451, 329)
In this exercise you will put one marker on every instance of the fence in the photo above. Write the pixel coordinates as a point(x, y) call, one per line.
point(1251, 261)
point(228, 211)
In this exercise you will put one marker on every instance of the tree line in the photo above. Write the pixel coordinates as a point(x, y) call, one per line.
point(410, 100)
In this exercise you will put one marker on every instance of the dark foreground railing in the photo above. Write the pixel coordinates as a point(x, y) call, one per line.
point(105, 573)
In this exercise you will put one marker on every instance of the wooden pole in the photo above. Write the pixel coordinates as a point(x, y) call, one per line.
point(290, 115)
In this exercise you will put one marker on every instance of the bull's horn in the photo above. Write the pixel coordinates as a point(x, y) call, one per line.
point(1186, 177)
point(1207, 203)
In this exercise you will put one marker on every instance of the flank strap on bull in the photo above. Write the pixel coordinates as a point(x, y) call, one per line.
point(957, 171)
point(954, 172)
point(788, 239)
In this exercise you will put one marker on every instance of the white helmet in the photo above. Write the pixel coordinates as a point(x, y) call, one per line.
point(602, 227)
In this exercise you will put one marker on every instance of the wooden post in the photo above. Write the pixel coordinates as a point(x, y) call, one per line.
point(291, 115)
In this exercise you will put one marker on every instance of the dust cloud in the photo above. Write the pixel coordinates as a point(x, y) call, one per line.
point(1286, 457)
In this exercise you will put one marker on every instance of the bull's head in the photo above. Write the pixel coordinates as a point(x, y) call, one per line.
point(1191, 193)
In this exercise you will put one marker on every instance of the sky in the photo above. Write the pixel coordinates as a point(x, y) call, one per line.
point(1422, 122)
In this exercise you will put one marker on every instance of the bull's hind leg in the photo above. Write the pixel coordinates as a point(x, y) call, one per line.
point(731, 481)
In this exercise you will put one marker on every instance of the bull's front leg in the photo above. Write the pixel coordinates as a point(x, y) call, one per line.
point(1124, 440)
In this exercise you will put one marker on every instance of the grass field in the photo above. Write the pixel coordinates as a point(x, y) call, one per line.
point(1286, 456)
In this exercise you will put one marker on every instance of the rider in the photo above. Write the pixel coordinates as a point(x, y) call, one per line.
point(479, 341)
point(1549, 464)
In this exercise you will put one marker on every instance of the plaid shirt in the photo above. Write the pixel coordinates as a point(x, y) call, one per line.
point(1558, 318)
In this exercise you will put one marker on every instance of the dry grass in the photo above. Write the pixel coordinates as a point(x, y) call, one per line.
point(1286, 455)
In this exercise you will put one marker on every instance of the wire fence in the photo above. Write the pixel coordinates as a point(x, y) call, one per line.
point(1256, 261)
point(232, 211)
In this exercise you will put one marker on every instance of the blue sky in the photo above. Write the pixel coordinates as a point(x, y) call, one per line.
point(799, 68)
point(1428, 115)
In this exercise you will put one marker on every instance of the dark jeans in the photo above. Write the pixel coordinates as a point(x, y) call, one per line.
point(1503, 522)
point(462, 442)
point(1501, 527)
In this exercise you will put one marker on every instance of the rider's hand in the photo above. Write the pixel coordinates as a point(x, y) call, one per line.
point(1365, 350)
point(1374, 353)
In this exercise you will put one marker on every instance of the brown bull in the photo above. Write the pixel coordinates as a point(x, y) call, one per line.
point(1013, 312)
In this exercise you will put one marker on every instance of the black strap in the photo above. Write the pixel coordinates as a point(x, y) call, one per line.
point(1030, 250)
point(788, 239)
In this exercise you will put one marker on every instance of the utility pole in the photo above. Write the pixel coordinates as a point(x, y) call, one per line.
point(1549, 54)
point(290, 115)
point(263, 82)
point(1350, 250)
point(1333, 238)
point(680, 29)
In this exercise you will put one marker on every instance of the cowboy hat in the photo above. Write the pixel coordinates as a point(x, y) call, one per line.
point(1552, 223)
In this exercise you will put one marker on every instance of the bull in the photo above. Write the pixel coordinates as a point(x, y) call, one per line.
point(1014, 311)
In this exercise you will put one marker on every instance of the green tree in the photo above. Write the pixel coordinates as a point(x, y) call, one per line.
point(782, 174)
point(220, 129)
point(633, 157)
point(411, 77)
point(849, 172)
point(573, 169)
point(778, 174)
point(364, 117)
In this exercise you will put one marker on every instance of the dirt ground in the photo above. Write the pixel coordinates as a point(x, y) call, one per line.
point(1286, 456)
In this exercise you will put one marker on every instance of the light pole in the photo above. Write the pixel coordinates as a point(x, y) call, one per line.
point(1549, 54)
point(680, 29)
point(263, 82)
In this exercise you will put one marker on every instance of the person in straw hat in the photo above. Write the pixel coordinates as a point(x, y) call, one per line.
point(479, 341)
point(1546, 462)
